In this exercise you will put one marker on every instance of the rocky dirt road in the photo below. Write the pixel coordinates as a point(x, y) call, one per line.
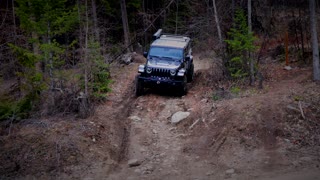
point(228, 132)
point(246, 137)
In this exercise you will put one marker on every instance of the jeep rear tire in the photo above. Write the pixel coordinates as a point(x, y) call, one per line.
point(139, 90)
point(190, 73)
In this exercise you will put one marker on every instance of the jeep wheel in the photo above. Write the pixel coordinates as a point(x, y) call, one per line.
point(190, 73)
point(139, 87)
point(183, 90)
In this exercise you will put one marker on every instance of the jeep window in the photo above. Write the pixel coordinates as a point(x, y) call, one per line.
point(166, 52)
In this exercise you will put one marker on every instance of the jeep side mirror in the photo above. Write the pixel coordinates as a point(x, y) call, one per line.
point(145, 54)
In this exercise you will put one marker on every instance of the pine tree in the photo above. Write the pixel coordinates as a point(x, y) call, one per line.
point(43, 22)
point(241, 43)
point(47, 20)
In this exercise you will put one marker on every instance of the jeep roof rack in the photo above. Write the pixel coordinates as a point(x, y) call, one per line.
point(176, 41)
point(175, 37)
point(157, 34)
point(161, 35)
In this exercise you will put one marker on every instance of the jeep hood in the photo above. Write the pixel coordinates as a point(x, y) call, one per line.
point(159, 63)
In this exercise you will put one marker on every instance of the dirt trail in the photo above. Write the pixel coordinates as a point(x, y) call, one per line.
point(154, 140)
point(240, 138)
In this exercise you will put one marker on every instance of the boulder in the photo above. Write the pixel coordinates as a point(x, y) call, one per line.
point(288, 68)
point(179, 116)
point(135, 118)
point(230, 171)
point(126, 58)
point(134, 162)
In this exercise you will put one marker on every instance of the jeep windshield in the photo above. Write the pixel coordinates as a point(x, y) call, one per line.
point(166, 52)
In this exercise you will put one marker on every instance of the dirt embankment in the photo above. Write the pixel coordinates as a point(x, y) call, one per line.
point(251, 134)
point(67, 147)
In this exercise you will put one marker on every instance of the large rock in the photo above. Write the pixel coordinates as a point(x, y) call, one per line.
point(126, 58)
point(135, 118)
point(288, 68)
point(134, 162)
point(179, 116)
point(230, 171)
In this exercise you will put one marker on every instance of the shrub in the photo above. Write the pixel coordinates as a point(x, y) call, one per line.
point(17, 109)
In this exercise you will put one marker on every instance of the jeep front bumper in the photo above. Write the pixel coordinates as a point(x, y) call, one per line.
point(159, 81)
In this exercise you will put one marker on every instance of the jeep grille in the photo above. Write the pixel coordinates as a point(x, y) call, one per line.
point(158, 72)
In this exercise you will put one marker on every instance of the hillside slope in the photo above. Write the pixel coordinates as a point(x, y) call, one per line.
point(248, 134)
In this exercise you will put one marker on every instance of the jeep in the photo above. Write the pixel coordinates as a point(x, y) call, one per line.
point(169, 64)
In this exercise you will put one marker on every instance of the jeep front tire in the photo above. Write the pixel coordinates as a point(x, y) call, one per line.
point(183, 89)
point(139, 89)
point(190, 73)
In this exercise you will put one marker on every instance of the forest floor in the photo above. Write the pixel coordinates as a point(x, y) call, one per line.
point(248, 133)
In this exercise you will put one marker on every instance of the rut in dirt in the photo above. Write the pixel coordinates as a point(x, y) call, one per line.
point(123, 110)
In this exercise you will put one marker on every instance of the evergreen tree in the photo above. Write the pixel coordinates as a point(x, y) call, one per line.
point(47, 20)
point(241, 43)
point(44, 22)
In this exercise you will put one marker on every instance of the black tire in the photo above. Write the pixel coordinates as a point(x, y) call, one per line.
point(190, 73)
point(183, 89)
point(139, 90)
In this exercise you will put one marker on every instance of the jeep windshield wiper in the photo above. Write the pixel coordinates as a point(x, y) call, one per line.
point(166, 57)
point(154, 56)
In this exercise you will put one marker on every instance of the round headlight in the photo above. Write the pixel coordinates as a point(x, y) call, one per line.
point(173, 72)
point(149, 70)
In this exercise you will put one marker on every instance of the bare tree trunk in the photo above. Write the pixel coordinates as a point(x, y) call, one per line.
point(50, 59)
point(86, 52)
point(50, 62)
point(249, 31)
point(249, 16)
point(301, 34)
point(314, 39)
point(83, 98)
point(232, 9)
point(15, 42)
point(14, 22)
point(286, 48)
point(125, 25)
point(208, 15)
point(36, 51)
point(95, 21)
point(164, 14)
point(296, 42)
point(177, 5)
point(217, 21)
point(145, 25)
point(35, 45)
point(80, 30)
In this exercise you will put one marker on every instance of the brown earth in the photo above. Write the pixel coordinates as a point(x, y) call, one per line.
point(245, 134)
